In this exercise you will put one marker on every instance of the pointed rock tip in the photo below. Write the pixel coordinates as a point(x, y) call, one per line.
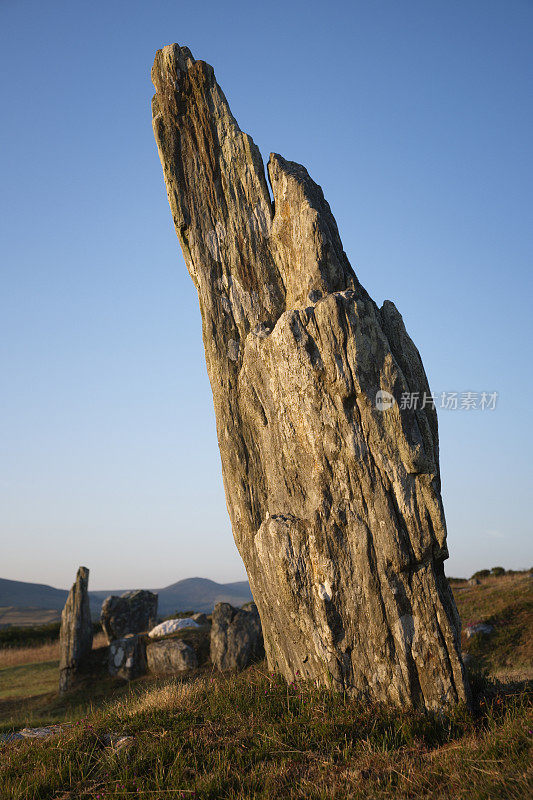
point(278, 163)
point(175, 56)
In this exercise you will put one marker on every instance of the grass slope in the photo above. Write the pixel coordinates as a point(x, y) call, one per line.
point(507, 604)
point(251, 736)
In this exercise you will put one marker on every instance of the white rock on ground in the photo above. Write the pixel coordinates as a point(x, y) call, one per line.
point(171, 626)
point(481, 627)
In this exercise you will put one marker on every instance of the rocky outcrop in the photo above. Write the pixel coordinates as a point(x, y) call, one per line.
point(326, 429)
point(236, 637)
point(127, 657)
point(76, 632)
point(171, 655)
point(132, 612)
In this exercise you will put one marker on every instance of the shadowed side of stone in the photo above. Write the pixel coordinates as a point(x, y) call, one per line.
point(236, 637)
point(76, 633)
point(334, 500)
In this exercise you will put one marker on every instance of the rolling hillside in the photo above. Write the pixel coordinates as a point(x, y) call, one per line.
point(25, 603)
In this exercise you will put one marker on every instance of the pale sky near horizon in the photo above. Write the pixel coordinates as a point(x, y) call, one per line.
point(416, 119)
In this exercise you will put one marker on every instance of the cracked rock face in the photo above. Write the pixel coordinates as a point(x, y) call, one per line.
point(334, 498)
point(76, 633)
point(132, 612)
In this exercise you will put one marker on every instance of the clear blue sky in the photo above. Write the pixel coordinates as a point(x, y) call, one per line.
point(415, 116)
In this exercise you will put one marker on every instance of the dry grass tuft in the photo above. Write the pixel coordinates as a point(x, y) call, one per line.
point(171, 696)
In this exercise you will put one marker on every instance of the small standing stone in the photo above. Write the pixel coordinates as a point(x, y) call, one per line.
point(127, 657)
point(236, 636)
point(76, 633)
point(132, 612)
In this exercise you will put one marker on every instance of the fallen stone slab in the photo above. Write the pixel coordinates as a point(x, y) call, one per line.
point(169, 656)
point(480, 628)
point(35, 733)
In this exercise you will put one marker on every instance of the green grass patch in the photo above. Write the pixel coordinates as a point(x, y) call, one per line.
point(28, 679)
point(252, 736)
point(506, 603)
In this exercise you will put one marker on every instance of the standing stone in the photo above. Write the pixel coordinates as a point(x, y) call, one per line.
point(127, 657)
point(76, 633)
point(236, 637)
point(132, 612)
point(331, 473)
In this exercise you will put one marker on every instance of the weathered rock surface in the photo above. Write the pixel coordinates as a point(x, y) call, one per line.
point(76, 632)
point(35, 733)
point(236, 637)
point(127, 657)
point(334, 498)
point(132, 612)
point(172, 655)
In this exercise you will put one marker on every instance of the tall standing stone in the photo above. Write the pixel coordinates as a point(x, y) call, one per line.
point(76, 633)
point(332, 484)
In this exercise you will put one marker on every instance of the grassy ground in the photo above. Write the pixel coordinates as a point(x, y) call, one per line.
point(28, 687)
point(251, 736)
point(42, 677)
point(507, 604)
point(49, 651)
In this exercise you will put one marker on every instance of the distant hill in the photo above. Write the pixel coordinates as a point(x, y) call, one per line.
point(201, 594)
point(196, 594)
point(36, 595)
